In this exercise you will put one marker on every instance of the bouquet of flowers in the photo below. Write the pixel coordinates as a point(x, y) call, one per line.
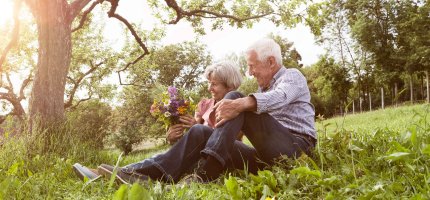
point(170, 106)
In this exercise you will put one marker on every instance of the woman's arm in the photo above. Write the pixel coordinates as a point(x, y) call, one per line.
point(174, 133)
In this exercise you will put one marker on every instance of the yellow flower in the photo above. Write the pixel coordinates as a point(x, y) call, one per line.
point(182, 110)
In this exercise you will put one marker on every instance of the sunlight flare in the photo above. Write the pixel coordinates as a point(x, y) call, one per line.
point(6, 12)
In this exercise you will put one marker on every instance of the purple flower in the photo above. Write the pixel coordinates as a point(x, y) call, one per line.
point(173, 92)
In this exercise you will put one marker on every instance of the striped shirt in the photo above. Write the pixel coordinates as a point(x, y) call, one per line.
point(287, 99)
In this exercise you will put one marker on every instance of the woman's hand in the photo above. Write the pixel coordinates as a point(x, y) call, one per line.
point(175, 132)
point(187, 121)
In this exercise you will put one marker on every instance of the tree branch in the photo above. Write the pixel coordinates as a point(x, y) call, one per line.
point(15, 33)
point(23, 86)
point(111, 13)
point(85, 15)
point(130, 84)
point(76, 83)
point(80, 101)
point(76, 7)
point(2, 119)
point(180, 13)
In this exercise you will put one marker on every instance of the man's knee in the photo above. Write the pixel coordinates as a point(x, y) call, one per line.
point(200, 131)
point(233, 95)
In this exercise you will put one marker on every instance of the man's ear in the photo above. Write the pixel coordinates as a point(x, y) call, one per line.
point(272, 62)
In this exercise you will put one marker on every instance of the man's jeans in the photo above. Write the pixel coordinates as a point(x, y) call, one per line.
point(269, 138)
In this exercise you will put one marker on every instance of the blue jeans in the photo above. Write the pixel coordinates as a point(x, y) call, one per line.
point(269, 138)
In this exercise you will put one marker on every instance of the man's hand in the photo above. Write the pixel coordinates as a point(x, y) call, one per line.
point(227, 109)
point(187, 121)
point(174, 133)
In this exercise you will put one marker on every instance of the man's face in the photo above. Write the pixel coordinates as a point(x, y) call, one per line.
point(261, 70)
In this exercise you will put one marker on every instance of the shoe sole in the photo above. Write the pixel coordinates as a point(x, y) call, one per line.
point(106, 172)
point(82, 176)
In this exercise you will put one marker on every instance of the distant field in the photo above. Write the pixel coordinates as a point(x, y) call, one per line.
point(394, 119)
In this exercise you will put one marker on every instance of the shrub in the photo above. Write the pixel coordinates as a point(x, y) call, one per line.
point(90, 122)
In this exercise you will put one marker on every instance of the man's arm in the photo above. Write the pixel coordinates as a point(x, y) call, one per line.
point(227, 109)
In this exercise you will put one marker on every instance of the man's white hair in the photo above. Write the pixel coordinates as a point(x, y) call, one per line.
point(226, 72)
point(265, 48)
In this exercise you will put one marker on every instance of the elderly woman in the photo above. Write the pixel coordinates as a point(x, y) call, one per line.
point(223, 77)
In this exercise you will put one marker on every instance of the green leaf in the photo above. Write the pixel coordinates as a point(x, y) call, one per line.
point(232, 187)
point(138, 192)
point(268, 178)
point(305, 171)
point(413, 130)
point(397, 156)
point(426, 150)
point(121, 193)
point(354, 148)
point(13, 170)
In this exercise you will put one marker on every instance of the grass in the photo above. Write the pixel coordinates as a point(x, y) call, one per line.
point(383, 154)
point(394, 119)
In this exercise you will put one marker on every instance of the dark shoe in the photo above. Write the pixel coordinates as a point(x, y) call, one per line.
point(209, 169)
point(83, 172)
point(121, 177)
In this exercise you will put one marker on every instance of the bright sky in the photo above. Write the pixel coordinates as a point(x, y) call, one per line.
point(219, 42)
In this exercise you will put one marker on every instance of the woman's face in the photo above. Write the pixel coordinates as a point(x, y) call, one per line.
point(217, 88)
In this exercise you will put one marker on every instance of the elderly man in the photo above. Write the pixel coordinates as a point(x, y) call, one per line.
point(278, 120)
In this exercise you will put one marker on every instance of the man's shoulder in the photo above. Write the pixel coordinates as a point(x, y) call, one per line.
point(292, 70)
point(292, 74)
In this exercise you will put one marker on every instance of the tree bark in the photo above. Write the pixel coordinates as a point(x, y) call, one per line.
point(422, 95)
point(395, 93)
point(382, 98)
point(353, 107)
point(55, 48)
point(428, 89)
point(370, 101)
point(411, 87)
point(361, 104)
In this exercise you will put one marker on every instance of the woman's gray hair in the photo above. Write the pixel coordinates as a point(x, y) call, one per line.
point(225, 71)
point(265, 48)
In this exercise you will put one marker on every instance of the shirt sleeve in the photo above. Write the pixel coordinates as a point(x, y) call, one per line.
point(291, 86)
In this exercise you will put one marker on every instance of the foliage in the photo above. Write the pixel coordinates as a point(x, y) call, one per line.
point(91, 65)
point(179, 64)
point(90, 120)
point(248, 86)
point(329, 84)
point(126, 130)
point(290, 56)
point(170, 105)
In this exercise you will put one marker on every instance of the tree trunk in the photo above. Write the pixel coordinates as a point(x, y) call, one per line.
point(361, 104)
point(370, 101)
point(382, 98)
point(395, 93)
point(55, 48)
point(422, 95)
point(353, 106)
point(411, 87)
point(428, 89)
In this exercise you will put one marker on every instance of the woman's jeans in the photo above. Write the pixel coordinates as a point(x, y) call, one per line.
point(269, 138)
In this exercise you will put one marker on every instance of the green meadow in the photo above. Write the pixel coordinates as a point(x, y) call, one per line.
point(384, 154)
